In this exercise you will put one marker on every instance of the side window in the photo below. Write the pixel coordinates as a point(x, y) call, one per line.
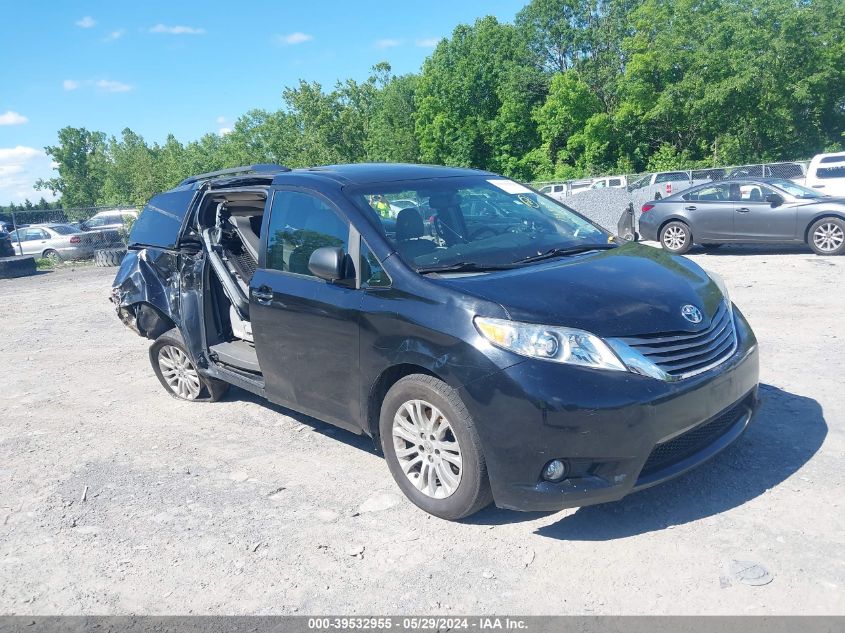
point(372, 274)
point(614, 182)
point(754, 193)
point(671, 176)
point(300, 223)
point(601, 184)
point(35, 234)
point(95, 222)
point(712, 193)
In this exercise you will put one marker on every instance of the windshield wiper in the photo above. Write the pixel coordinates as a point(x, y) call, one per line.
point(464, 267)
point(560, 252)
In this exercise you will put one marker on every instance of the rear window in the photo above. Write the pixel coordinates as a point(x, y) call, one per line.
point(839, 158)
point(65, 229)
point(161, 220)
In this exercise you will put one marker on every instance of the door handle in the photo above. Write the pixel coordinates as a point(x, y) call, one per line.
point(690, 208)
point(263, 295)
point(818, 186)
point(743, 209)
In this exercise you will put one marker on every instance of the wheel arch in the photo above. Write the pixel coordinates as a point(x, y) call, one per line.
point(381, 386)
point(820, 216)
point(146, 319)
point(673, 218)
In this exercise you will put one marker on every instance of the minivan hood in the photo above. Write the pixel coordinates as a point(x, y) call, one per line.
point(626, 291)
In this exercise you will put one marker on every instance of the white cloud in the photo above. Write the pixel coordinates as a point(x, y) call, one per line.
point(294, 38)
point(177, 30)
point(103, 85)
point(388, 43)
point(428, 42)
point(20, 167)
point(12, 118)
point(223, 131)
point(107, 85)
point(114, 35)
point(221, 120)
point(86, 23)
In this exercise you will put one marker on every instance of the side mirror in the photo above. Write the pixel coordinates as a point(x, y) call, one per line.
point(327, 263)
point(775, 199)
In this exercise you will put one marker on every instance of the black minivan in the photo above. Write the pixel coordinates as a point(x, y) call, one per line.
point(497, 345)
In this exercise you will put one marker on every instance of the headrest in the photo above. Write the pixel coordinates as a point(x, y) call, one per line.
point(409, 224)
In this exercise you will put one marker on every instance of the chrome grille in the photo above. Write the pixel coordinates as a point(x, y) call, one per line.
point(685, 354)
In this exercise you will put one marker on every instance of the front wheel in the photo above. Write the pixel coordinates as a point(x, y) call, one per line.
point(432, 448)
point(177, 372)
point(827, 236)
point(676, 237)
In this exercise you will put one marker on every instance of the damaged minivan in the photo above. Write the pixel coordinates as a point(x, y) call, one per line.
point(495, 344)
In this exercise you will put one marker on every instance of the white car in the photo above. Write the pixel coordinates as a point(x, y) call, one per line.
point(826, 174)
point(610, 182)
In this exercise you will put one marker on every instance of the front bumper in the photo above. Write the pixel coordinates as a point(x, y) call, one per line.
point(618, 432)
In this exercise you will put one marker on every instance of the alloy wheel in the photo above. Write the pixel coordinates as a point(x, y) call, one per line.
point(828, 237)
point(179, 372)
point(427, 449)
point(674, 237)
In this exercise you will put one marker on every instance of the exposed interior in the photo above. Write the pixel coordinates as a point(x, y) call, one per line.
point(230, 225)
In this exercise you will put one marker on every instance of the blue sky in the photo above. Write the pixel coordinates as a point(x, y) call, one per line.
point(190, 67)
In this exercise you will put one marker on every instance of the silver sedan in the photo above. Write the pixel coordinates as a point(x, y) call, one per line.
point(58, 242)
point(765, 210)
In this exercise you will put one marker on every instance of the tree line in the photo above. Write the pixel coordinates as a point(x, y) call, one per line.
point(571, 88)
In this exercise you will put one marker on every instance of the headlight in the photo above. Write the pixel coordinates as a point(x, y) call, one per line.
point(557, 344)
point(720, 283)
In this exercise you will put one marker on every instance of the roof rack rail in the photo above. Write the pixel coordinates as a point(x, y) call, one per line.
point(260, 167)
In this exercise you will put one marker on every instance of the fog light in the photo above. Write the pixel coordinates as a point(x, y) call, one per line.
point(554, 470)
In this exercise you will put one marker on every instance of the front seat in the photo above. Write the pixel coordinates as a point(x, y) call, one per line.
point(755, 195)
point(409, 232)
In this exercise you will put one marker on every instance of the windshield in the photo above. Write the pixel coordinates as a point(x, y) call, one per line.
point(474, 222)
point(796, 190)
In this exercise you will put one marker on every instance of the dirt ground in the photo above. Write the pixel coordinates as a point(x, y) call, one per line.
point(116, 498)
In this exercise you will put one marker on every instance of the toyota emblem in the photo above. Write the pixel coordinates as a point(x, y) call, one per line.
point(691, 313)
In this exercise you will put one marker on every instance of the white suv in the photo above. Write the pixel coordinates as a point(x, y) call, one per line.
point(826, 173)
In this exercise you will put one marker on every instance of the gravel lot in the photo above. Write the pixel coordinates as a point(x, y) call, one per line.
point(116, 498)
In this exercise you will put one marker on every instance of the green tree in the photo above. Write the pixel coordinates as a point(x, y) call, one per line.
point(81, 162)
point(474, 98)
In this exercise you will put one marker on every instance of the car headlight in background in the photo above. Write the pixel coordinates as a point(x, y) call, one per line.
point(556, 344)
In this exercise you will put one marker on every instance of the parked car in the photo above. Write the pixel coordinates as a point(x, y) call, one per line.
point(826, 174)
point(791, 171)
point(770, 210)
point(662, 183)
point(541, 368)
point(115, 219)
point(559, 191)
point(57, 242)
point(610, 182)
point(6, 249)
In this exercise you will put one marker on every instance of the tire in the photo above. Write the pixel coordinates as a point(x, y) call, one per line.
point(169, 354)
point(676, 237)
point(52, 255)
point(434, 483)
point(107, 257)
point(827, 236)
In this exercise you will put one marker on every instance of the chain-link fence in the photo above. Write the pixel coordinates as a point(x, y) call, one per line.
point(604, 198)
point(67, 234)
